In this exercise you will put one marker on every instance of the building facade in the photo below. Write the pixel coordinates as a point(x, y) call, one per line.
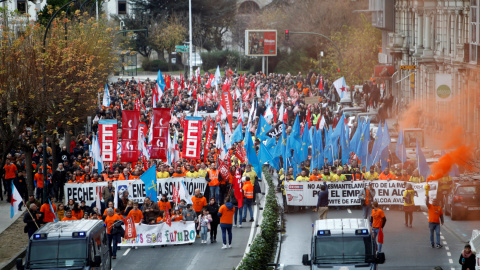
point(434, 49)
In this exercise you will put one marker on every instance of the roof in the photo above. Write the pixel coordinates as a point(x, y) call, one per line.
point(346, 226)
point(66, 228)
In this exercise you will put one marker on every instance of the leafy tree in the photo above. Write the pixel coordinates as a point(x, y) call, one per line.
point(75, 70)
point(167, 34)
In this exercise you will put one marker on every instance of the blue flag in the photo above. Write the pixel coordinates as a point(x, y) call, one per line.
point(296, 165)
point(319, 149)
point(270, 144)
point(401, 151)
point(355, 142)
point(160, 81)
point(362, 149)
point(384, 158)
point(422, 164)
point(237, 134)
point(314, 163)
point(339, 129)
point(385, 138)
point(252, 155)
point(345, 144)
point(262, 129)
point(306, 142)
point(295, 138)
point(149, 179)
point(265, 156)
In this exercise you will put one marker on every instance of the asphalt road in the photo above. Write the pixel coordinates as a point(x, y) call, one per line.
point(196, 256)
point(404, 248)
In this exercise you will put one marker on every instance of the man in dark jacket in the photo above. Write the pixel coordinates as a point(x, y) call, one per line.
point(59, 178)
point(213, 208)
point(322, 203)
point(33, 219)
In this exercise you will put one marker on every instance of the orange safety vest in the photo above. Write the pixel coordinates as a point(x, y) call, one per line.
point(248, 190)
point(213, 178)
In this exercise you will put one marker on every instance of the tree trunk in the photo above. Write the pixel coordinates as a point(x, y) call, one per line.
point(169, 61)
point(29, 170)
point(67, 140)
point(54, 152)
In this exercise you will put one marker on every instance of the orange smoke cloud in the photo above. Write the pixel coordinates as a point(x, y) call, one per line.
point(444, 131)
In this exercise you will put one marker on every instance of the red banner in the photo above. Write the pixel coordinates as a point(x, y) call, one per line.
point(161, 118)
point(223, 169)
point(130, 231)
point(193, 136)
point(107, 137)
point(237, 188)
point(227, 105)
point(241, 153)
point(130, 121)
point(142, 130)
point(208, 139)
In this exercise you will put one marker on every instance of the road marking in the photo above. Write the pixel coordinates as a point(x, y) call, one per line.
point(450, 260)
point(127, 251)
point(449, 254)
point(441, 237)
point(349, 211)
point(452, 268)
point(194, 261)
point(444, 242)
point(447, 248)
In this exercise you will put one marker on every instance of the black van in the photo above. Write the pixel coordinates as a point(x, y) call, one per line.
point(79, 244)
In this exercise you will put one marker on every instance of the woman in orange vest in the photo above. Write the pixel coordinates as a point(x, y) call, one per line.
point(248, 199)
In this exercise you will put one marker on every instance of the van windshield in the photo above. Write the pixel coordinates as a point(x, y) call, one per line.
point(343, 250)
point(57, 254)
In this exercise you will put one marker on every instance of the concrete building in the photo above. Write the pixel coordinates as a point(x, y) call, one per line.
point(437, 44)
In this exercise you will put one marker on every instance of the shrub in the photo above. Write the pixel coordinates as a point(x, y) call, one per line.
point(155, 65)
point(263, 247)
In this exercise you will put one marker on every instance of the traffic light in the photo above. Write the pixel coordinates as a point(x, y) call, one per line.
point(287, 35)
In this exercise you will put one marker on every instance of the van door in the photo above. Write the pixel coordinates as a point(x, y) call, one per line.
point(105, 253)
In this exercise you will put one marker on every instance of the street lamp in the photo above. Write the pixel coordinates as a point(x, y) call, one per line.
point(321, 56)
point(44, 128)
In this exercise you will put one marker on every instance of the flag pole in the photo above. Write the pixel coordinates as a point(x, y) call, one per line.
point(28, 210)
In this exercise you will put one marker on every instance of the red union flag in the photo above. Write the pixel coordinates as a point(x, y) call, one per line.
point(130, 231)
point(241, 153)
point(130, 121)
point(161, 118)
point(208, 139)
point(227, 105)
point(107, 131)
point(223, 169)
point(193, 136)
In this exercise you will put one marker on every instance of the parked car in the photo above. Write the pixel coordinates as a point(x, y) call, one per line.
point(464, 198)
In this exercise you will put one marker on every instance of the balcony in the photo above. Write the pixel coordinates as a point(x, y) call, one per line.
point(395, 43)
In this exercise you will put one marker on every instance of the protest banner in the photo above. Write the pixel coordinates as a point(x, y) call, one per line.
point(346, 193)
point(130, 120)
point(136, 189)
point(193, 136)
point(107, 138)
point(162, 234)
point(161, 118)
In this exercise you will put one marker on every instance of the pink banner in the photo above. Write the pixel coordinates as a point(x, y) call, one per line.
point(107, 137)
point(193, 137)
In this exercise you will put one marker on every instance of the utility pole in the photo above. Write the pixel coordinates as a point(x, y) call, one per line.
point(190, 48)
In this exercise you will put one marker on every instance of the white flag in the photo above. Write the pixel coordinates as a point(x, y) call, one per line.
point(322, 123)
point(16, 201)
point(106, 97)
point(228, 136)
point(218, 77)
point(280, 113)
point(340, 86)
point(220, 144)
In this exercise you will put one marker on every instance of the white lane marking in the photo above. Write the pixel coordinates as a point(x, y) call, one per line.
point(441, 237)
point(452, 268)
point(194, 261)
point(449, 254)
point(447, 248)
point(444, 242)
point(126, 252)
point(349, 211)
point(450, 260)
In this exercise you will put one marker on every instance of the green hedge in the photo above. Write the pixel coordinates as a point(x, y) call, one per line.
point(263, 247)
point(155, 65)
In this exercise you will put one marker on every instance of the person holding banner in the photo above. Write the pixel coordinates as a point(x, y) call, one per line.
point(408, 204)
point(322, 203)
point(150, 211)
point(213, 177)
point(112, 238)
point(136, 214)
point(366, 197)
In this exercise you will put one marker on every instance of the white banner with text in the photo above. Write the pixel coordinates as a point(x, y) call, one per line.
point(136, 188)
point(346, 193)
point(162, 234)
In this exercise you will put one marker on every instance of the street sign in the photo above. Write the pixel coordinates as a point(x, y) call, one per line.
point(181, 47)
point(408, 67)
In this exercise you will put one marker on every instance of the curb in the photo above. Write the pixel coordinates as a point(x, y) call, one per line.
point(13, 261)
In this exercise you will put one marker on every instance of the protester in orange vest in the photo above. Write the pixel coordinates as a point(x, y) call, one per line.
point(136, 214)
point(109, 223)
point(366, 197)
point(387, 175)
point(68, 216)
point(125, 175)
point(179, 172)
point(48, 215)
point(248, 198)
point(213, 178)
point(164, 204)
point(435, 218)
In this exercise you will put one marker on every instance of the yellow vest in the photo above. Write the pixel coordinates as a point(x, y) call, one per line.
point(202, 173)
point(192, 174)
point(302, 179)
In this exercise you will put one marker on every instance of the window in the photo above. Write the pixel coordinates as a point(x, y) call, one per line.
point(22, 6)
point(122, 7)
point(474, 30)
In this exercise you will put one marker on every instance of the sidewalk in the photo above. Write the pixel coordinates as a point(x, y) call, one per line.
point(6, 221)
